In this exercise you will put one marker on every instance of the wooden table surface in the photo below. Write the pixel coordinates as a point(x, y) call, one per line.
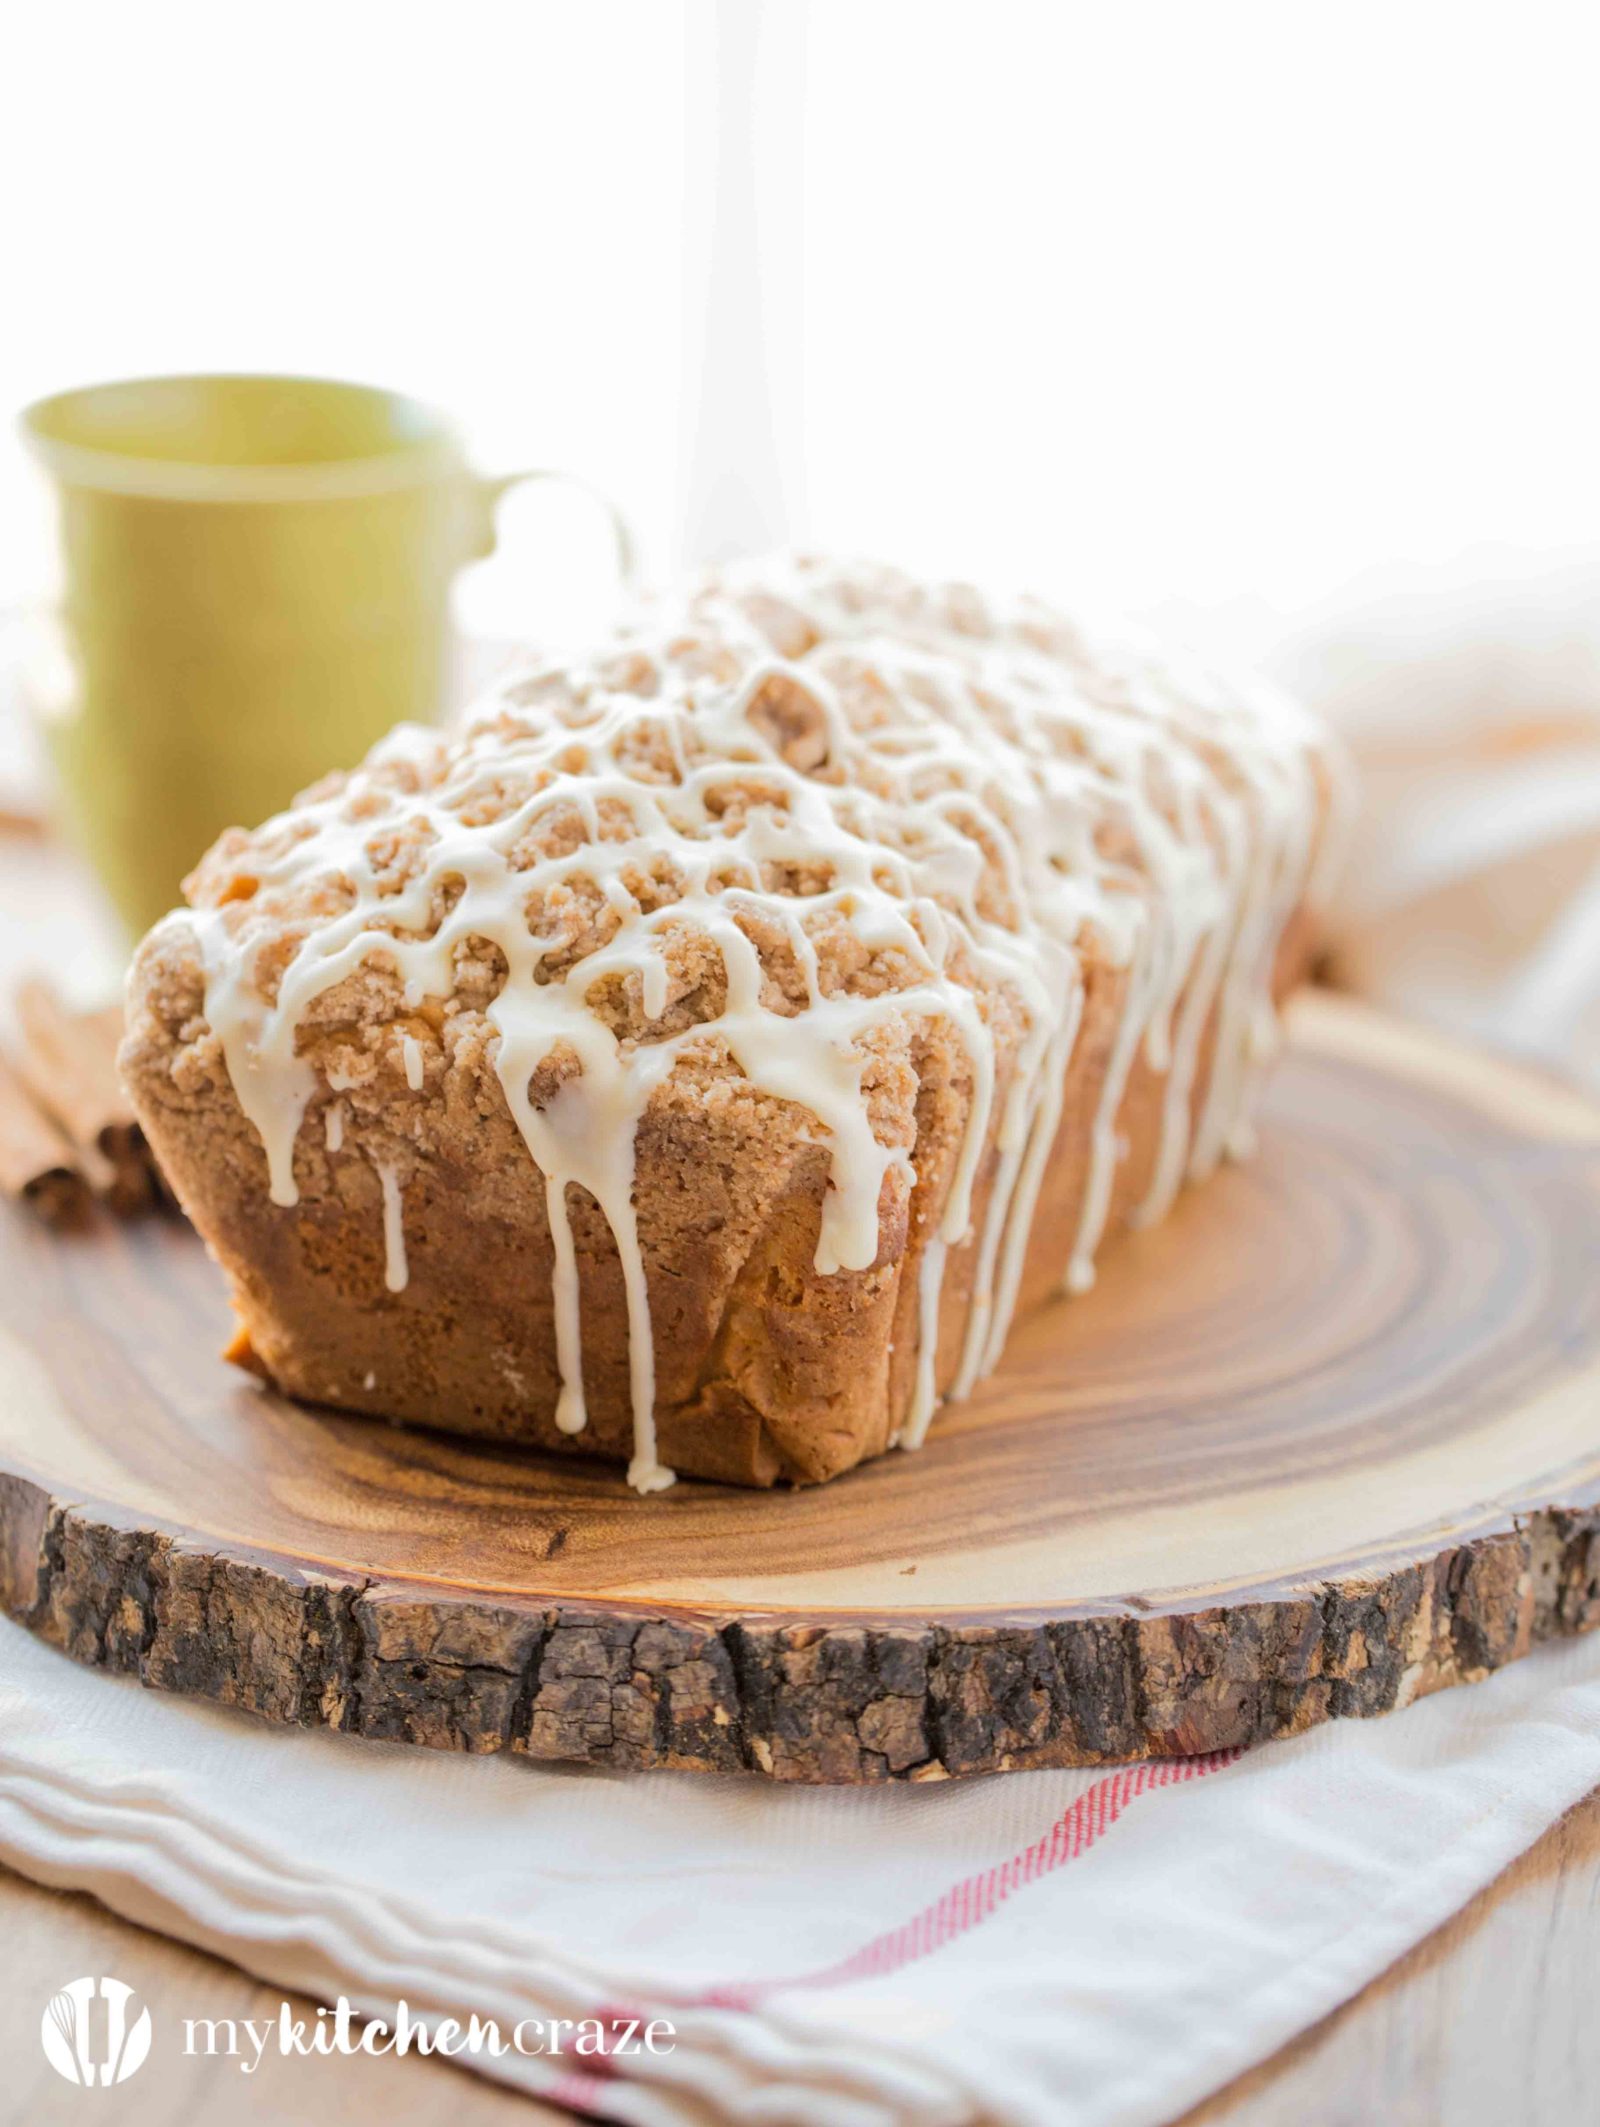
point(1488, 2023)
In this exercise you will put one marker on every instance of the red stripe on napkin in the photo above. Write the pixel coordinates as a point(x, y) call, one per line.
point(969, 1903)
point(966, 1905)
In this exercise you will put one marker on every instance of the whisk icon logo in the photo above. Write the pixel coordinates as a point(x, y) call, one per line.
point(91, 2035)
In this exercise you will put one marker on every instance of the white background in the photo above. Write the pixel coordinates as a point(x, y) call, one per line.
point(1135, 303)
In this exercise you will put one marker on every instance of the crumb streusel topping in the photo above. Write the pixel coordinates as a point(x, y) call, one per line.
point(775, 822)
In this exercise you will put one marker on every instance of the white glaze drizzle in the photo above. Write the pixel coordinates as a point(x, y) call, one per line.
point(987, 800)
point(396, 1272)
point(924, 1397)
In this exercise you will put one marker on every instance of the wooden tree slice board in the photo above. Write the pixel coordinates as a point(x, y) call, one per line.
point(1328, 1439)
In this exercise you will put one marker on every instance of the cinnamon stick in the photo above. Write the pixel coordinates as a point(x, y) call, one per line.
point(67, 1061)
point(37, 1164)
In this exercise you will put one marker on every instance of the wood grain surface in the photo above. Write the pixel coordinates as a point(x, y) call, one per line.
point(1328, 1439)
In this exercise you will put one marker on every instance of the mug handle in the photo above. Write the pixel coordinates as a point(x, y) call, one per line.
point(489, 491)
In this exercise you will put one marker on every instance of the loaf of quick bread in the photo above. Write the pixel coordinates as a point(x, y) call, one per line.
point(700, 1057)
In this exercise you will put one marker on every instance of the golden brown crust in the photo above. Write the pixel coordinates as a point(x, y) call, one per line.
point(767, 1369)
point(761, 962)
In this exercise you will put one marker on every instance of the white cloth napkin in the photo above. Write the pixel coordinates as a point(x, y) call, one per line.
point(1470, 693)
point(1067, 1949)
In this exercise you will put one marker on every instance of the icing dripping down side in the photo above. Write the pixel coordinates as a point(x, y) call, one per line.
point(924, 1400)
point(396, 1272)
point(812, 815)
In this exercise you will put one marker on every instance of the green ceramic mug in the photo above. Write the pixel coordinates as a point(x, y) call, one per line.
point(256, 585)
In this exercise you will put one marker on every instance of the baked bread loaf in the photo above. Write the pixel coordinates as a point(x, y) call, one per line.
point(699, 1058)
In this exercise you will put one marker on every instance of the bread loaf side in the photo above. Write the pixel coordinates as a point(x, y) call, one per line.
point(700, 1058)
